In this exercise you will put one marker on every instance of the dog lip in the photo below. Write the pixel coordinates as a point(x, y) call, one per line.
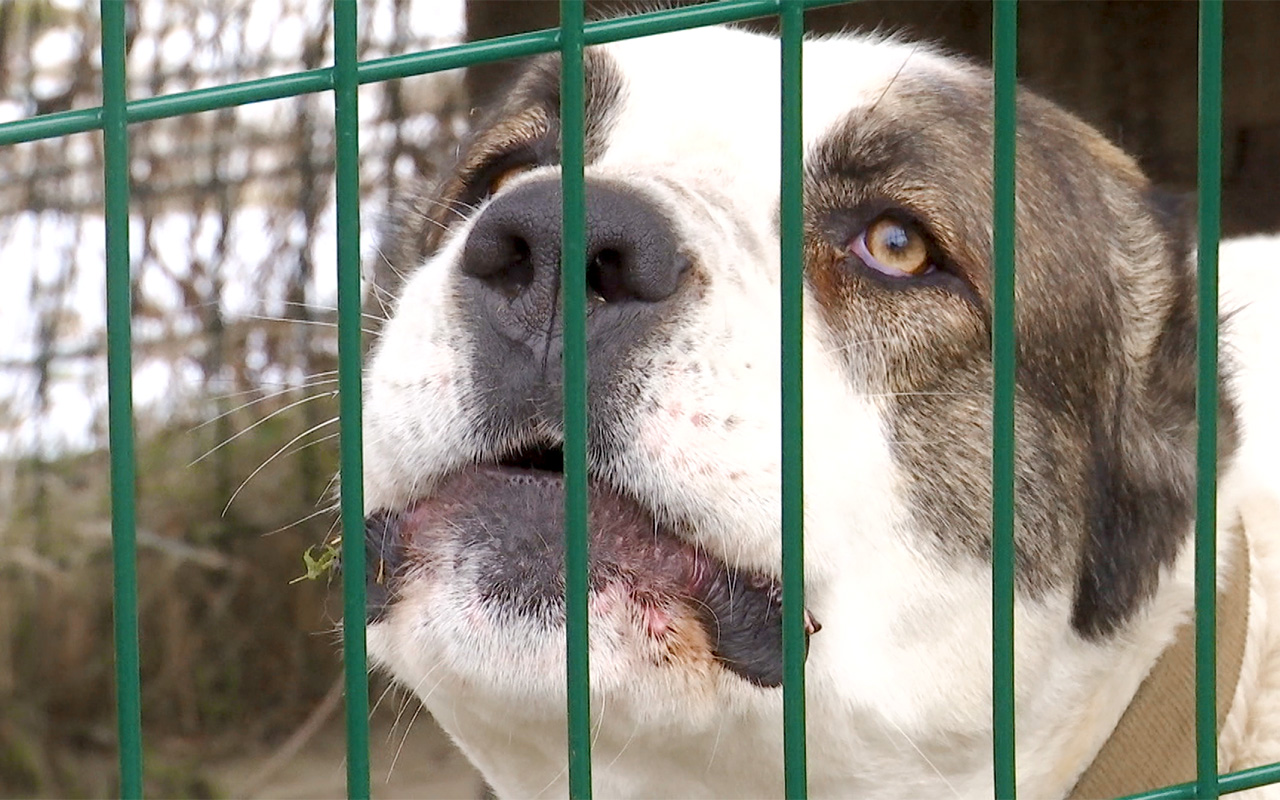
point(505, 522)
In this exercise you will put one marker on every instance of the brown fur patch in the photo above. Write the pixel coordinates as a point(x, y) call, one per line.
point(1105, 410)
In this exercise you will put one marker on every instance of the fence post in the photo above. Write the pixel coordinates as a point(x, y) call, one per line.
point(347, 187)
point(1004, 32)
point(791, 225)
point(115, 146)
point(1209, 179)
point(573, 287)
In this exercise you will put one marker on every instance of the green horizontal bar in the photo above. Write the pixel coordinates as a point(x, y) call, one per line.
point(233, 94)
point(1230, 783)
point(49, 126)
point(65, 123)
point(601, 32)
point(1250, 778)
point(612, 30)
point(520, 45)
point(1182, 791)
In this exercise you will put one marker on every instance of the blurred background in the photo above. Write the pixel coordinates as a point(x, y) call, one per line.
point(234, 293)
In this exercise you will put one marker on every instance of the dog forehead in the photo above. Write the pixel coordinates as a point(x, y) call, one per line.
point(713, 95)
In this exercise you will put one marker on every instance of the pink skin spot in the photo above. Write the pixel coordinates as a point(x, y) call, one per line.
point(656, 620)
point(603, 602)
point(700, 420)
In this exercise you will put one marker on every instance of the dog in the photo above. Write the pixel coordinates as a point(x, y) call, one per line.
point(464, 483)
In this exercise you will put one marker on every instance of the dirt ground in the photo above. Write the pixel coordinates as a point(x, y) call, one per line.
point(409, 759)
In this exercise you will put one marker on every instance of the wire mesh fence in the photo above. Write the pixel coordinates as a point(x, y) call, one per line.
point(187, 154)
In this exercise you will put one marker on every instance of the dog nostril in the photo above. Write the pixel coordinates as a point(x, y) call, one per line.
point(606, 276)
point(514, 268)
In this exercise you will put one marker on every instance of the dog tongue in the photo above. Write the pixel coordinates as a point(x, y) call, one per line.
point(509, 524)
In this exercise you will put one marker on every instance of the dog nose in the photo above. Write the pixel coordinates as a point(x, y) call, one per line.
point(513, 251)
point(509, 296)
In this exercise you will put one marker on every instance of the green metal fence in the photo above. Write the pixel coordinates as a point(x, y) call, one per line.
point(1004, 56)
point(343, 79)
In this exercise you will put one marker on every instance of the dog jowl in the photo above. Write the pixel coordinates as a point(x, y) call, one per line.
point(464, 481)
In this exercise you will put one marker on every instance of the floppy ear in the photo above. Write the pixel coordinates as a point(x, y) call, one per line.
point(1143, 453)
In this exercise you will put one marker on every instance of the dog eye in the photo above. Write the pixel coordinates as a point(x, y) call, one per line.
point(895, 248)
point(505, 176)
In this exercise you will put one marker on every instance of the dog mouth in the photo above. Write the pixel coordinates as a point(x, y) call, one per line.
point(499, 527)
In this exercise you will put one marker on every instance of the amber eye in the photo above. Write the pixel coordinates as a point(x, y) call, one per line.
point(895, 248)
point(505, 176)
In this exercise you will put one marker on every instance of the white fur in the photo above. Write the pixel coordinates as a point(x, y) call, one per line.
point(899, 679)
point(1250, 290)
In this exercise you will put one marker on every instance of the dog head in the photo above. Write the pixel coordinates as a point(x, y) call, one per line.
point(463, 427)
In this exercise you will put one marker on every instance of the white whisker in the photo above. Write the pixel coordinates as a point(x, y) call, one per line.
point(278, 411)
point(273, 456)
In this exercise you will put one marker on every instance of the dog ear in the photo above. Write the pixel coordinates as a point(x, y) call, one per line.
point(1143, 453)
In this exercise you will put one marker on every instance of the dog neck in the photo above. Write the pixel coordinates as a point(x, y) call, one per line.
point(1153, 745)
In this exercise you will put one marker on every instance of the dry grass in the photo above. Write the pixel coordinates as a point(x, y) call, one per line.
point(233, 655)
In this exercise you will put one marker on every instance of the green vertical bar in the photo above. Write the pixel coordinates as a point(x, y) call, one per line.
point(1004, 44)
point(115, 139)
point(573, 286)
point(347, 176)
point(791, 223)
point(1209, 176)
